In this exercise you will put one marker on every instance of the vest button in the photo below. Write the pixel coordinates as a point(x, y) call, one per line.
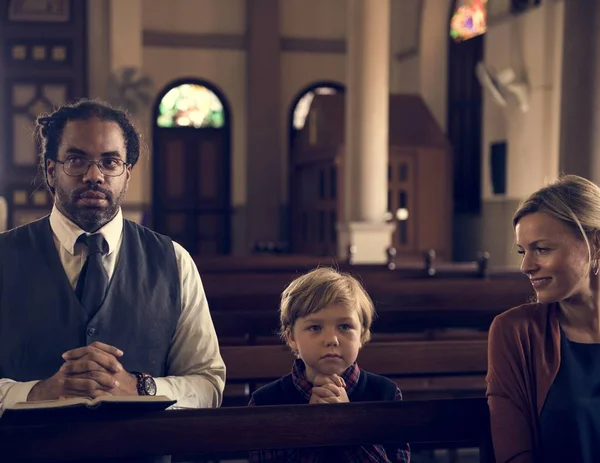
point(91, 332)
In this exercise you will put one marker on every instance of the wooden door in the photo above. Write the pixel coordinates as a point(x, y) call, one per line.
point(191, 189)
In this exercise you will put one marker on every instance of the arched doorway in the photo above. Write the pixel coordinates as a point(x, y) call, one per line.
point(191, 167)
point(311, 214)
point(301, 104)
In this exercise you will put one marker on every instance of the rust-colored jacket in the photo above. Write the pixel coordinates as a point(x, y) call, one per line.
point(523, 360)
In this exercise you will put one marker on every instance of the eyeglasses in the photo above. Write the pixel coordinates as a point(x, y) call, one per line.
point(75, 166)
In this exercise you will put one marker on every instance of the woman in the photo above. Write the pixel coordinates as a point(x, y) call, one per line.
point(543, 382)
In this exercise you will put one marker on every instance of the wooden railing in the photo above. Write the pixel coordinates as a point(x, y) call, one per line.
point(227, 431)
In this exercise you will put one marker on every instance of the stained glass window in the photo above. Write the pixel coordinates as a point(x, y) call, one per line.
point(303, 106)
point(469, 19)
point(191, 105)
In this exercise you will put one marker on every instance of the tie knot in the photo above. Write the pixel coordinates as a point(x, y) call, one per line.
point(96, 244)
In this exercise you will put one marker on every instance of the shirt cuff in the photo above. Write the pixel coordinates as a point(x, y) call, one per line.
point(163, 388)
point(18, 392)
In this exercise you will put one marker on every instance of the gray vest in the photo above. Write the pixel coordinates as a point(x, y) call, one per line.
point(40, 316)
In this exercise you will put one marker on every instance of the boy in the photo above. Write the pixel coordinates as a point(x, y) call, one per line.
point(325, 319)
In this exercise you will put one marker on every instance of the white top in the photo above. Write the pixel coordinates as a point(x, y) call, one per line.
point(195, 369)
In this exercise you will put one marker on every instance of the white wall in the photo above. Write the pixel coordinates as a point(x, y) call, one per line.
point(314, 19)
point(530, 44)
point(195, 16)
point(433, 57)
point(404, 45)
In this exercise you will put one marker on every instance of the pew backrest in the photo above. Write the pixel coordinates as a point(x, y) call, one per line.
point(225, 431)
point(393, 359)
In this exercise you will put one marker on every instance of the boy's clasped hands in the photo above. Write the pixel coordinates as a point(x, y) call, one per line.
point(328, 389)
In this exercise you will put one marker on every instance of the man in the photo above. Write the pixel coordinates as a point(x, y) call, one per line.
point(92, 304)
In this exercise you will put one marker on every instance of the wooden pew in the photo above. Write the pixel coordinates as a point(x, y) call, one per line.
point(238, 327)
point(250, 292)
point(291, 264)
point(422, 369)
point(229, 431)
point(244, 317)
point(379, 286)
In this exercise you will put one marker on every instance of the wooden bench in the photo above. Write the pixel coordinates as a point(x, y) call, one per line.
point(238, 327)
point(231, 285)
point(290, 264)
point(422, 369)
point(457, 423)
point(246, 313)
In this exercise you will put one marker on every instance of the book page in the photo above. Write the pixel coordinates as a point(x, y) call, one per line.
point(59, 403)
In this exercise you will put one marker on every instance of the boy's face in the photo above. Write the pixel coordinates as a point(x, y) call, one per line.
point(327, 341)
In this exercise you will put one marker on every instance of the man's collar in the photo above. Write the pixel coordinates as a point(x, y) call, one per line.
point(67, 231)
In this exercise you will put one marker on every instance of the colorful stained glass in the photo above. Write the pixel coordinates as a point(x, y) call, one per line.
point(303, 105)
point(469, 19)
point(191, 105)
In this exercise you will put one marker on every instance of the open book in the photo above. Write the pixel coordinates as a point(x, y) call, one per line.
point(109, 404)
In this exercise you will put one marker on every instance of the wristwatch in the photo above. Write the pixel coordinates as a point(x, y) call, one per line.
point(145, 383)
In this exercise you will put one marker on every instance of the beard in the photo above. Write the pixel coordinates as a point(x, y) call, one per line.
point(88, 218)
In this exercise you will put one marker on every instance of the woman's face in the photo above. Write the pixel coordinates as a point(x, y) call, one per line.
point(555, 257)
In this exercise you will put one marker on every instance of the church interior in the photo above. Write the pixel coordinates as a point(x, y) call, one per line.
point(393, 139)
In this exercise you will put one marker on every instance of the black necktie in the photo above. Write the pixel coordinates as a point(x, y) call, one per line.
point(93, 279)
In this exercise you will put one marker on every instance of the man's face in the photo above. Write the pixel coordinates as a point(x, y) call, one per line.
point(90, 199)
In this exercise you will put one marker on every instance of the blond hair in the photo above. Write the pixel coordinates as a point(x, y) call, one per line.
point(571, 199)
point(321, 288)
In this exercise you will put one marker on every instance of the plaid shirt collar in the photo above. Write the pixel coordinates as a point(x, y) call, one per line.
point(350, 376)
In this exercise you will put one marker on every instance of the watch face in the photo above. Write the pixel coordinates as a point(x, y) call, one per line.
point(149, 385)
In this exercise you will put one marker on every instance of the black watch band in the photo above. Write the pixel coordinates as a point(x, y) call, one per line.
point(145, 383)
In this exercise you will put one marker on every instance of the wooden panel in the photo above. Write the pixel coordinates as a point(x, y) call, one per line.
point(208, 225)
point(42, 53)
point(208, 172)
point(208, 247)
point(390, 359)
point(402, 186)
point(196, 183)
point(314, 213)
point(24, 149)
point(39, 11)
point(176, 224)
point(434, 200)
point(24, 216)
point(175, 168)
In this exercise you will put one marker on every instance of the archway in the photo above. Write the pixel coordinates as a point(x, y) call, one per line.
point(191, 166)
point(301, 104)
point(302, 176)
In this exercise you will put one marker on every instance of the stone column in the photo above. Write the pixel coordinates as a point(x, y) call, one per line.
point(263, 121)
point(363, 223)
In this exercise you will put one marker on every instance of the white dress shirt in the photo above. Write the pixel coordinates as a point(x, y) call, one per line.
point(195, 369)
